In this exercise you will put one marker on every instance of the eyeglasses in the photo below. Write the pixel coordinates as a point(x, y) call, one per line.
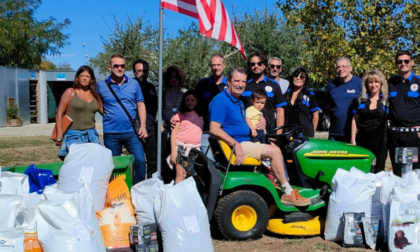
point(116, 66)
point(142, 71)
point(300, 77)
point(342, 67)
point(275, 66)
point(406, 61)
point(258, 63)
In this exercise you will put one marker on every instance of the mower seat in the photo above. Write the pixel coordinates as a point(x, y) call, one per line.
point(221, 152)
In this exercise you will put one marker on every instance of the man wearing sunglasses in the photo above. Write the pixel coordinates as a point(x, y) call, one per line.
point(117, 127)
point(273, 110)
point(404, 108)
point(341, 99)
point(274, 70)
point(207, 89)
point(141, 73)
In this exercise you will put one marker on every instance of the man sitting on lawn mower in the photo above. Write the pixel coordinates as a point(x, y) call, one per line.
point(227, 123)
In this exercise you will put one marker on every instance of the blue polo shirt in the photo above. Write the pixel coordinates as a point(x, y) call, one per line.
point(115, 120)
point(230, 113)
point(341, 98)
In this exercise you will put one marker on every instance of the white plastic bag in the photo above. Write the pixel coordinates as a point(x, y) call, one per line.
point(404, 226)
point(143, 196)
point(12, 240)
point(10, 205)
point(351, 194)
point(88, 163)
point(70, 225)
point(183, 219)
point(26, 219)
point(17, 183)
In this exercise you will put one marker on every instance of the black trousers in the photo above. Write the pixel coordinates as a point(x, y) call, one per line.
point(150, 149)
point(402, 139)
point(380, 153)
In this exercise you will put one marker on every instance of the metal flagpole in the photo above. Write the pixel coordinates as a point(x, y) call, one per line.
point(159, 130)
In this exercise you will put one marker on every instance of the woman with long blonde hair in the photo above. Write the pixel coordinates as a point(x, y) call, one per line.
point(369, 121)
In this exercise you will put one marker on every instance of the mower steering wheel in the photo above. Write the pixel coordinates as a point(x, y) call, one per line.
point(293, 128)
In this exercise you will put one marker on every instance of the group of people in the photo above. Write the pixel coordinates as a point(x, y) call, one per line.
point(374, 113)
point(240, 109)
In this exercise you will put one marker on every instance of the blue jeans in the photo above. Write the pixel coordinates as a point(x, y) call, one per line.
point(115, 141)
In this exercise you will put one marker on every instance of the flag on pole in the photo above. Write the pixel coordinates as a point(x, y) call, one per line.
point(212, 16)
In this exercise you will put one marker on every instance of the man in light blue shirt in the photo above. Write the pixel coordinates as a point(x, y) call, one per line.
point(117, 127)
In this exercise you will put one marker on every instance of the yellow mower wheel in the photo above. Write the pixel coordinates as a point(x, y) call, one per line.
point(244, 218)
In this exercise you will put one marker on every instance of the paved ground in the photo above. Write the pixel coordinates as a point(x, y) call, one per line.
point(34, 130)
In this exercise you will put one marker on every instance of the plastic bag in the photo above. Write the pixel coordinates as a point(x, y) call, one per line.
point(39, 179)
point(26, 219)
point(404, 226)
point(69, 225)
point(143, 196)
point(12, 240)
point(116, 219)
point(371, 230)
point(10, 205)
point(351, 194)
point(182, 219)
point(88, 163)
point(16, 183)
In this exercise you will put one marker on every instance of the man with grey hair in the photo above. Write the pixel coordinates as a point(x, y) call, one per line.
point(341, 95)
point(227, 123)
point(274, 69)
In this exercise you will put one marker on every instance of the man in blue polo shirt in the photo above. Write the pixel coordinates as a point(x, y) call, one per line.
point(117, 128)
point(227, 123)
point(341, 96)
point(208, 88)
point(273, 110)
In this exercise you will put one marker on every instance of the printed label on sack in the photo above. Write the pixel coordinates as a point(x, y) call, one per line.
point(79, 232)
point(86, 174)
point(191, 223)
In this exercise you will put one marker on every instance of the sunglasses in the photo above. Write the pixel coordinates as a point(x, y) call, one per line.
point(406, 61)
point(258, 63)
point(275, 66)
point(116, 66)
point(300, 77)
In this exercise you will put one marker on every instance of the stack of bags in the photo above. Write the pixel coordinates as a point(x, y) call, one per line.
point(366, 209)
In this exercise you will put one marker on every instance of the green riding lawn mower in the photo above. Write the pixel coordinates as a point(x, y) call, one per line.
point(243, 203)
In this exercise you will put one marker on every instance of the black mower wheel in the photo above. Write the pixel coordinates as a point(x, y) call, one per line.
point(241, 215)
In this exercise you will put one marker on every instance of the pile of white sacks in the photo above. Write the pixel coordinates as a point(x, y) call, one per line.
point(365, 209)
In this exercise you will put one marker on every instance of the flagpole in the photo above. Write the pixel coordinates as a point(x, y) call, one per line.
point(160, 109)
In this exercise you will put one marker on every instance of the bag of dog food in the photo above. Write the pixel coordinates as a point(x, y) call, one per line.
point(89, 164)
point(353, 230)
point(404, 226)
point(115, 220)
point(12, 240)
point(371, 229)
point(10, 205)
point(26, 219)
point(143, 196)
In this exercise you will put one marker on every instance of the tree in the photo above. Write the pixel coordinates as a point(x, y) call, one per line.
point(64, 66)
point(369, 32)
point(133, 40)
point(24, 40)
point(46, 65)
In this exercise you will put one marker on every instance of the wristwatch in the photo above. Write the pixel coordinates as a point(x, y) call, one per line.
point(59, 139)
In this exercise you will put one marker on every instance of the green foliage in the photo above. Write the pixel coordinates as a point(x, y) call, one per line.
point(12, 111)
point(24, 40)
point(64, 66)
point(369, 32)
point(46, 65)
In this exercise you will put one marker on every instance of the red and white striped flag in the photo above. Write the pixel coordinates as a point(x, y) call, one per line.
point(212, 16)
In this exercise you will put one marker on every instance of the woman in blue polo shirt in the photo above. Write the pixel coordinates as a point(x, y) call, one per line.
point(369, 120)
point(301, 108)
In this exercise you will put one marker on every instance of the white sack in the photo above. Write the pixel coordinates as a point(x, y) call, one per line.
point(70, 225)
point(351, 194)
point(90, 163)
point(10, 205)
point(12, 240)
point(404, 226)
point(183, 219)
point(17, 183)
point(143, 196)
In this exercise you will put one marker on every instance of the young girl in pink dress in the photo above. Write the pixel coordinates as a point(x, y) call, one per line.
point(187, 131)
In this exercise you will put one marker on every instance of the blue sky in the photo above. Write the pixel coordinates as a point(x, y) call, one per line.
point(91, 19)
